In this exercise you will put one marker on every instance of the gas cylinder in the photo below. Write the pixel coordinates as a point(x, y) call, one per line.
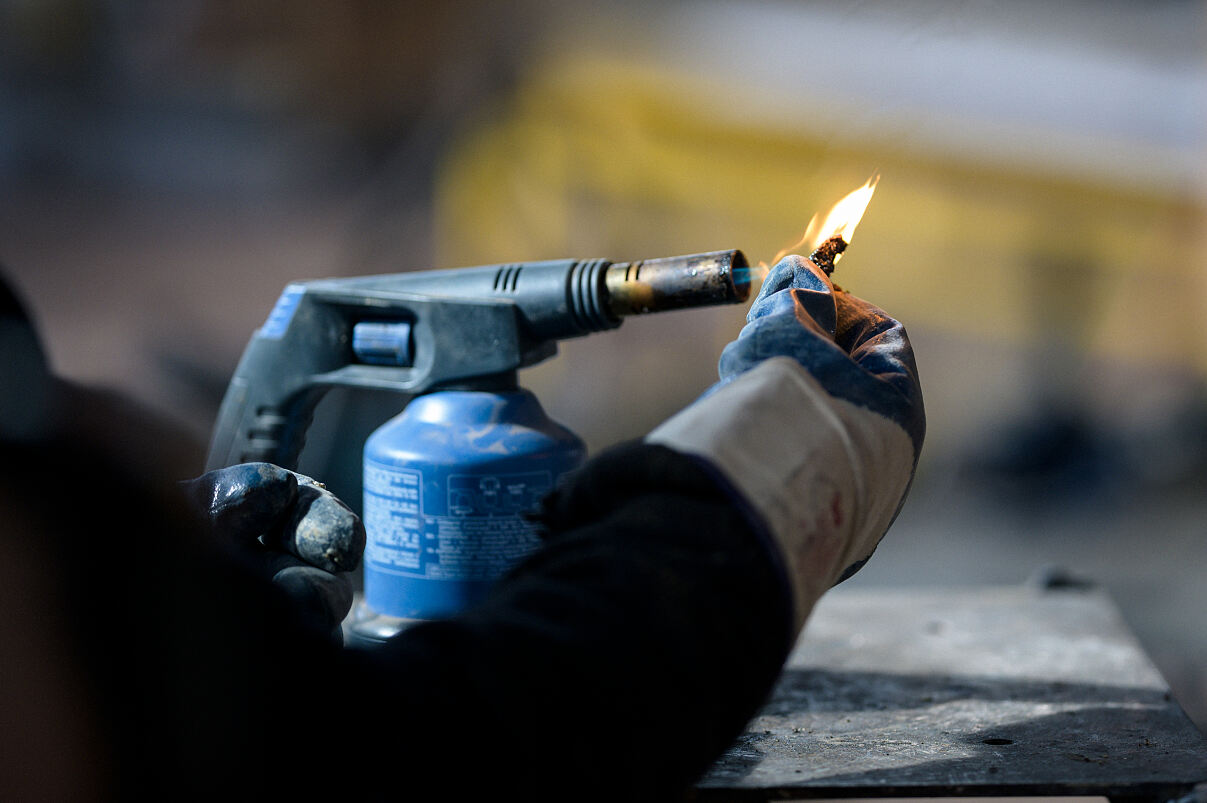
point(447, 484)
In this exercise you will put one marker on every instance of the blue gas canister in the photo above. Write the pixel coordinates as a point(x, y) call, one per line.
point(446, 486)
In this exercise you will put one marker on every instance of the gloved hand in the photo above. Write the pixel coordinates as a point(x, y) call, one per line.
point(297, 532)
point(817, 423)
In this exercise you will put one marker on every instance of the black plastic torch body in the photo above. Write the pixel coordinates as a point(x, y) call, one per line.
point(418, 331)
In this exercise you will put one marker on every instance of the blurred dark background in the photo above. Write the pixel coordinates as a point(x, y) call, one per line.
point(168, 168)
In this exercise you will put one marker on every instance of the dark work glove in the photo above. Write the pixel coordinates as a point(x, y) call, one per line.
point(817, 422)
point(299, 534)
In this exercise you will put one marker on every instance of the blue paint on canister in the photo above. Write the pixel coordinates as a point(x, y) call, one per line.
point(446, 485)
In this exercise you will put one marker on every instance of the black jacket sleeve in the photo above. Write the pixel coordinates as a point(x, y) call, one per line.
point(616, 663)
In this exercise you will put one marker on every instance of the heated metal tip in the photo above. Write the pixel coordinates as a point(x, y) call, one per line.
point(694, 280)
point(826, 254)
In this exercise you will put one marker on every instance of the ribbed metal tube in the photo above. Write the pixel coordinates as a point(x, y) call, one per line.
point(694, 280)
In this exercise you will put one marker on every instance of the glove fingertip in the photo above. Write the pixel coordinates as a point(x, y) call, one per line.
point(245, 500)
point(325, 532)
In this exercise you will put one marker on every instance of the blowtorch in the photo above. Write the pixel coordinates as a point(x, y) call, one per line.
point(448, 481)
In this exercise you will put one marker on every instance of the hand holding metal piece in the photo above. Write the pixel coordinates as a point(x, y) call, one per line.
point(817, 422)
point(854, 350)
point(297, 532)
point(826, 254)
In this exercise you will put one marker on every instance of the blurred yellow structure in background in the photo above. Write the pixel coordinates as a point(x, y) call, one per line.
point(613, 160)
point(597, 156)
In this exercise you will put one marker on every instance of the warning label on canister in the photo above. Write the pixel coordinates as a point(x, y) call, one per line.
point(393, 516)
point(457, 527)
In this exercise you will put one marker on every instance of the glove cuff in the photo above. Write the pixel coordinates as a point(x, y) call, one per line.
point(826, 475)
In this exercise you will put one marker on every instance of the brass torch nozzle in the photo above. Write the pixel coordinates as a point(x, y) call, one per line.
point(695, 280)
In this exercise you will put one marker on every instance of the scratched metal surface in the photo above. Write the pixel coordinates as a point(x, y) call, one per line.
point(994, 691)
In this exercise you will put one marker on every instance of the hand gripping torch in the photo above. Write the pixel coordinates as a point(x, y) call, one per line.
point(446, 482)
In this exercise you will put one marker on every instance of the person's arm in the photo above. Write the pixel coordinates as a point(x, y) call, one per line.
point(818, 421)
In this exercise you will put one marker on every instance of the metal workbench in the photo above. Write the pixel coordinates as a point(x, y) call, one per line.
point(998, 691)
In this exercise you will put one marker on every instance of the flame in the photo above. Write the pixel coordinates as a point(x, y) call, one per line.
point(842, 219)
point(845, 215)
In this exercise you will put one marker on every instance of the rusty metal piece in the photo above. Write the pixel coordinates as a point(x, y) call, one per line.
point(679, 282)
point(826, 254)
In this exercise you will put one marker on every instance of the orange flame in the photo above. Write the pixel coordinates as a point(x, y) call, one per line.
point(845, 215)
point(842, 219)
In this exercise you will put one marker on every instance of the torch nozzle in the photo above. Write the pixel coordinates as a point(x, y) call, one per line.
point(695, 280)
